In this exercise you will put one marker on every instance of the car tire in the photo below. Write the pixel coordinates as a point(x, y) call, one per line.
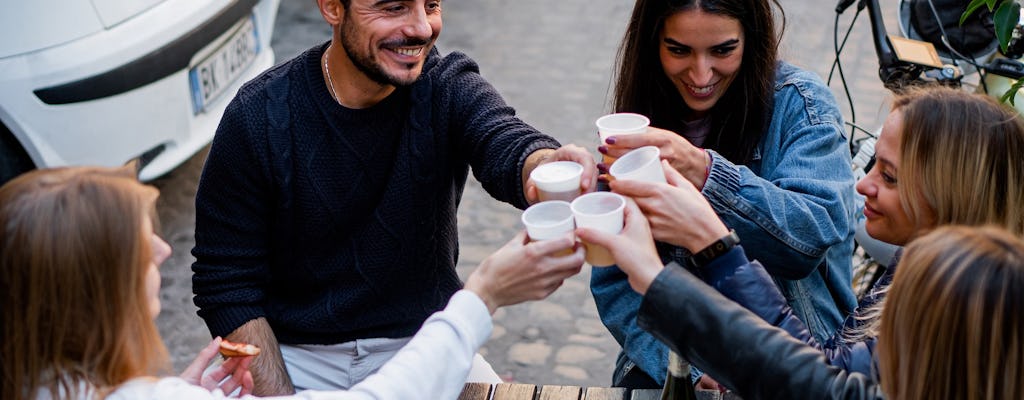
point(13, 158)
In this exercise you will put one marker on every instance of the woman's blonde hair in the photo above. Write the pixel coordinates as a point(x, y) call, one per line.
point(953, 326)
point(962, 163)
point(963, 155)
point(73, 257)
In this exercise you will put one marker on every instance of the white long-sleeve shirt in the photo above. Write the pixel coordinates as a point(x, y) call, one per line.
point(433, 365)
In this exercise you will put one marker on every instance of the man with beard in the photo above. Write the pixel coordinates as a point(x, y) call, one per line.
point(326, 213)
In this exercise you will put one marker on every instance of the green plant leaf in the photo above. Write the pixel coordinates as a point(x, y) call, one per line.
point(1004, 20)
point(1011, 94)
point(974, 6)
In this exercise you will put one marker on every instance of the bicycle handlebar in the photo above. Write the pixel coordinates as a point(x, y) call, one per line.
point(886, 57)
point(893, 72)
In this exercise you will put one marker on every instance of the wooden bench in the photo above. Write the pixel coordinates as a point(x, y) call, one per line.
point(522, 391)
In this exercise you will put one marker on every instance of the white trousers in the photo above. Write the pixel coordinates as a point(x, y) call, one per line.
point(340, 366)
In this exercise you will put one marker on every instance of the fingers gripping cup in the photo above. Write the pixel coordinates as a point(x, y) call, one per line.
point(620, 124)
point(602, 211)
point(559, 180)
point(549, 220)
point(640, 164)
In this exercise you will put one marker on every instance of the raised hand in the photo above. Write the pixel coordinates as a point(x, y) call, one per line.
point(690, 161)
point(569, 152)
point(522, 270)
point(633, 247)
point(678, 214)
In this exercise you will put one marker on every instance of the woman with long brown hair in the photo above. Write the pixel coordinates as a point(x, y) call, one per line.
point(79, 291)
point(79, 287)
point(761, 139)
point(953, 322)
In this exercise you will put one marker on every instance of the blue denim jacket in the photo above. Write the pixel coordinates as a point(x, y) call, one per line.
point(793, 207)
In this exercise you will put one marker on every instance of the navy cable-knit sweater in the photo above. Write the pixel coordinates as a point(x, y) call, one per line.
point(339, 224)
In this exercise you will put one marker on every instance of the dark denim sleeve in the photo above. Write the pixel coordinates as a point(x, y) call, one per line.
point(794, 202)
point(749, 285)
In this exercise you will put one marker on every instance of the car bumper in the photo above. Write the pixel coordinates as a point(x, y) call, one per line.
point(72, 105)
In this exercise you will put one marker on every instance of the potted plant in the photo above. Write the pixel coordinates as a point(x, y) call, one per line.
point(1005, 16)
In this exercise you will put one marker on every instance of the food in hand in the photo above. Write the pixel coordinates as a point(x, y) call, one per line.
point(231, 349)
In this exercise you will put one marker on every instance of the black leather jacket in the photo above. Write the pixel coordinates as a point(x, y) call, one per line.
point(738, 348)
point(748, 283)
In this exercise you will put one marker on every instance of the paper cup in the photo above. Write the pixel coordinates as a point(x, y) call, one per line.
point(602, 211)
point(640, 164)
point(548, 220)
point(559, 180)
point(621, 124)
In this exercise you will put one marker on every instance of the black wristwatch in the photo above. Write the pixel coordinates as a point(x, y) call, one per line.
point(716, 249)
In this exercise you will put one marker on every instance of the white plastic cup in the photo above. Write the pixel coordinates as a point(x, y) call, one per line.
point(549, 220)
point(620, 124)
point(640, 164)
point(602, 211)
point(559, 180)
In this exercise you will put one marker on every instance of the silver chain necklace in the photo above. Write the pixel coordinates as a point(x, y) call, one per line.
point(327, 70)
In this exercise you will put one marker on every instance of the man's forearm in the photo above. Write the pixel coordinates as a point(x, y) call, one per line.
point(268, 370)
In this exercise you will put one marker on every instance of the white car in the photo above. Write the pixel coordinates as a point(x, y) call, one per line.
point(101, 82)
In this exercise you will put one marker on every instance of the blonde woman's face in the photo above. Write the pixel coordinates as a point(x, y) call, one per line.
point(160, 250)
point(886, 219)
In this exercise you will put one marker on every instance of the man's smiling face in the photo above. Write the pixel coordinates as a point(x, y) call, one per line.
point(388, 40)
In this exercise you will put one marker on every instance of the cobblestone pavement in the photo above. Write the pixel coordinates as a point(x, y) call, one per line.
point(552, 60)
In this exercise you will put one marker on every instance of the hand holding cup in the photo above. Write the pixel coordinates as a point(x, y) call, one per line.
point(632, 249)
point(640, 164)
point(619, 124)
point(558, 180)
point(600, 211)
point(678, 214)
point(549, 220)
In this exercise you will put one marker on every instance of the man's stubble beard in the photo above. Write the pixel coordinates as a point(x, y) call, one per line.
point(365, 62)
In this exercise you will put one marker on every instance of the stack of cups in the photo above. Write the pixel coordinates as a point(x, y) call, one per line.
point(619, 124)
point(602, 211)
point(640, 164)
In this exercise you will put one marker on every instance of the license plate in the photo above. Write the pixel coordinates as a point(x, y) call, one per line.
point(217, 71)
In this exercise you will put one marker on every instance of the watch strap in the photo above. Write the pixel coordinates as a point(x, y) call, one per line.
point(716, 249)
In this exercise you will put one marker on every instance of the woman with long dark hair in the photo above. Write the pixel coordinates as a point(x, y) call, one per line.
point(945, 157)
point(761, 139)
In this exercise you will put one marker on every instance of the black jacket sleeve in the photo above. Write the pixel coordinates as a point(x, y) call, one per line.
point(739, 349)
point(749, 284)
